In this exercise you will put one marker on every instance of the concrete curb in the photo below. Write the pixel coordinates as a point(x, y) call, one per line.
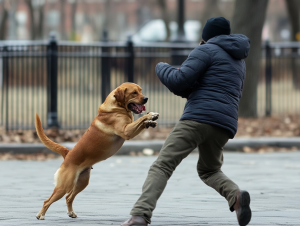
point(236, 144)
point(283, 142)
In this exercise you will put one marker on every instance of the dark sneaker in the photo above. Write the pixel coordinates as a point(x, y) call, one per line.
point(242, 208)
point(135, 221)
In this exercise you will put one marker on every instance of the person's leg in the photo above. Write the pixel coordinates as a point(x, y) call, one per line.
point(184, 138)
point(209, 170)
point(210, 162)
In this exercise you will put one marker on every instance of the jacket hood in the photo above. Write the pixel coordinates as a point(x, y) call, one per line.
point(237, 45)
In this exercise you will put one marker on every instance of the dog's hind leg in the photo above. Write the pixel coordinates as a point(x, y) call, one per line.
point(82, 182)
point(64, 182)
point(57, 194)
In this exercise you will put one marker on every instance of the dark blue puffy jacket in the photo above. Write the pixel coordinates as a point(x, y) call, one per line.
point(211, 79)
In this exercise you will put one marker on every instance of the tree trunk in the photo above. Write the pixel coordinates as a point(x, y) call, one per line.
point(3, 28)
point(40, 24)
point(293, 12)
point(211, 9)
point(248, 19)
point(73, 14)
point(62, 19)
point(32, 22)
point(165, 17)
point(294, 15)
point(108, 21)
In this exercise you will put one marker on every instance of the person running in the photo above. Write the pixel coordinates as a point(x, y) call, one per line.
point(211, 79)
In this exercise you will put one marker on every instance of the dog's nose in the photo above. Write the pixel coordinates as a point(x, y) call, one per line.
point(145, 99)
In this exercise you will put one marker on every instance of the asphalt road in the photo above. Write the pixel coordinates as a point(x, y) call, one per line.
point(272, 179)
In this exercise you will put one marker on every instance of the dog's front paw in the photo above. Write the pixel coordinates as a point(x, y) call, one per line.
point(150, 123)
point(40, 217)
point(72, 214)
point(154, 115)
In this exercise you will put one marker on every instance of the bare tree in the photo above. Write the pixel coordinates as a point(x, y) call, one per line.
point(89, 19)
point(73, 19)
point(31, 15)
point(37, 23)
point(40, 22)
point(293, 7)
point(62, 16)
point(248, 19)
point(211, 9)
point(3, 28)
point(108, 20)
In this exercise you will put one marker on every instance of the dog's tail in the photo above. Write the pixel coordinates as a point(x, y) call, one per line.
point(46, 141)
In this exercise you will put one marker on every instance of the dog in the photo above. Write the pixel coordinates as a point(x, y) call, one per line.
point(111, 127)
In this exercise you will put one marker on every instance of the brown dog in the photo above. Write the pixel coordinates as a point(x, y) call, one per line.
point(112, 126)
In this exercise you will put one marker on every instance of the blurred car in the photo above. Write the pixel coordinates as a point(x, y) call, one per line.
point(155, 31)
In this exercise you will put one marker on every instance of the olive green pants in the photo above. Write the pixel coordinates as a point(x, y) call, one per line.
point(184, 138)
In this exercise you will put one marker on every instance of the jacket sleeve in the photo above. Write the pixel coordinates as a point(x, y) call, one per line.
point(181, 81)
point(243, 80)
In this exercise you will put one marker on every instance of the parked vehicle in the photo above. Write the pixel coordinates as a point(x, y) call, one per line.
point(155, 31)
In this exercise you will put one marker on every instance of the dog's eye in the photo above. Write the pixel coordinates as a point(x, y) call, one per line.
point(134, 92)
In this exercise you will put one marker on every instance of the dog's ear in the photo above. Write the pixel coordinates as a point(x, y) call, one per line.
point(120, 95)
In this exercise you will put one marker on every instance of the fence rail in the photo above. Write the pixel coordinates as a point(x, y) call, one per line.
point(65, 82)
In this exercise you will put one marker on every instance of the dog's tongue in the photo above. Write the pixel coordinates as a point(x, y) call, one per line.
point(141, 107)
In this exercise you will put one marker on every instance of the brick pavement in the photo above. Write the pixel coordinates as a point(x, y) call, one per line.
point(273, 180)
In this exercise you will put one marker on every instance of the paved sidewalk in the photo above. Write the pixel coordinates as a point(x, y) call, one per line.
point(273, 180)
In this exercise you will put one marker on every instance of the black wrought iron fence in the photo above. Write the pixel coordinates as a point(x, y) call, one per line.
point(279, 79)
point(65, 82)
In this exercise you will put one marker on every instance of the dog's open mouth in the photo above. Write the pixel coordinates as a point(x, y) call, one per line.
point(136, 108)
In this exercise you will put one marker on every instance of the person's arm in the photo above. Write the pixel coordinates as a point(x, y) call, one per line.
point(180, 81)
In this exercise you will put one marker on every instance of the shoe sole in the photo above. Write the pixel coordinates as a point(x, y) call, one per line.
point(245, 212)
point(139, 225)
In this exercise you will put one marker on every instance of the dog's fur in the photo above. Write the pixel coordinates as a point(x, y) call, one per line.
point(112, 126)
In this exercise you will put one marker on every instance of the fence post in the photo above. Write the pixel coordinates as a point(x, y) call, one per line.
point(130, 60)
point(180, 35)
point(176, 57)
point(52, 82)
point(268, 79)
point(105, 69)
point(6, 85)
